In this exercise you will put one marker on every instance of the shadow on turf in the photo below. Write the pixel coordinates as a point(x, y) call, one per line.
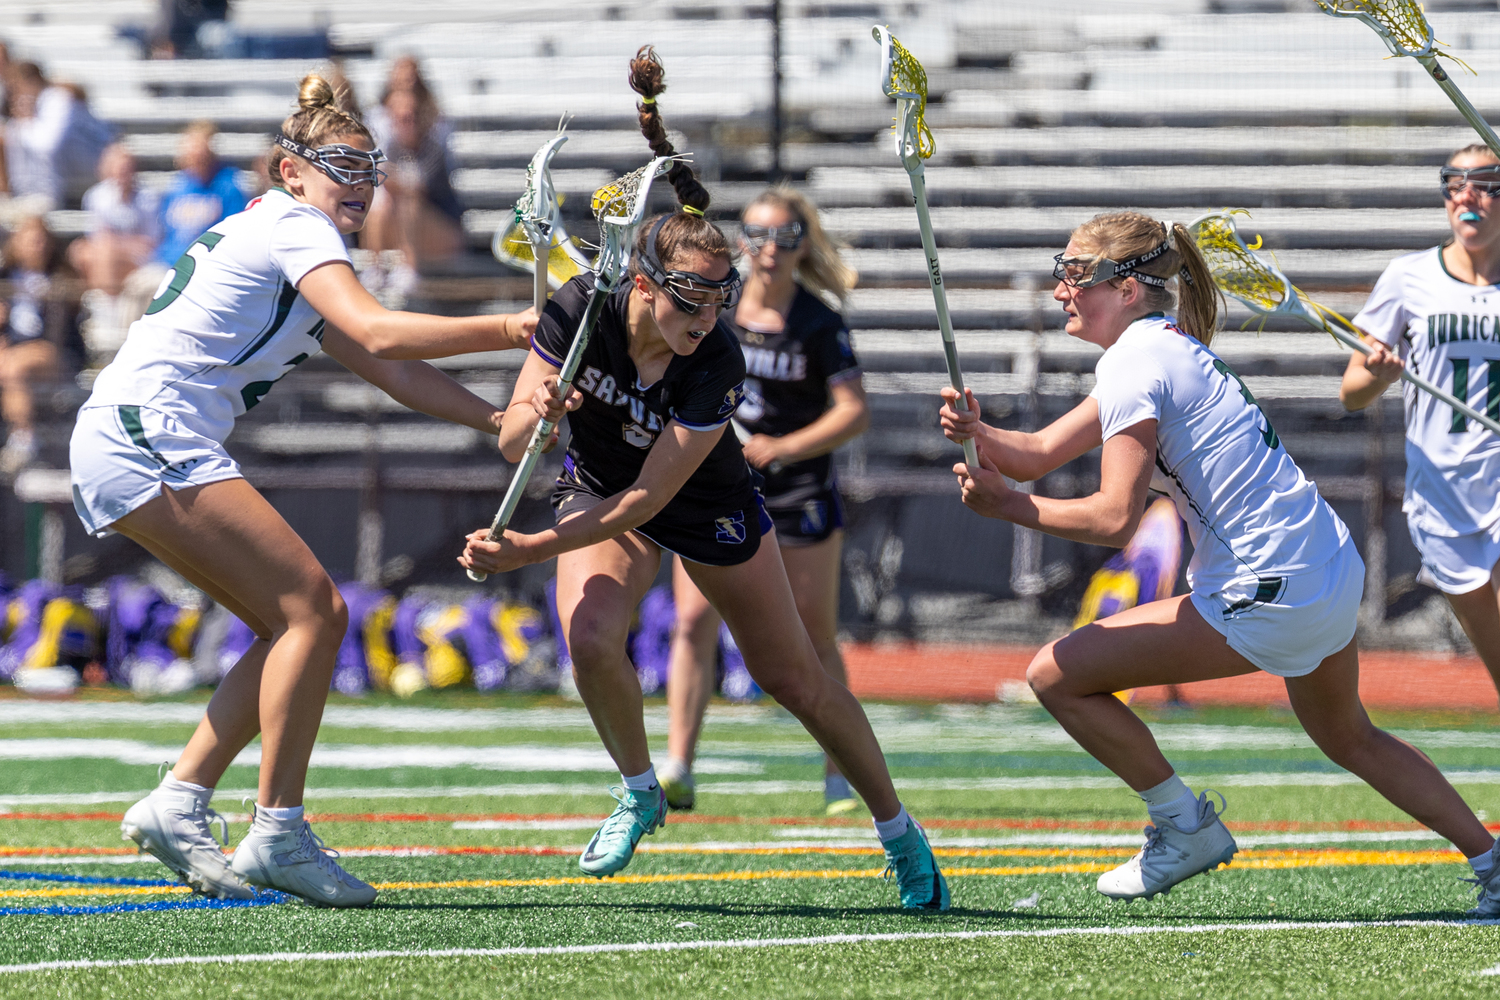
point(729, 910)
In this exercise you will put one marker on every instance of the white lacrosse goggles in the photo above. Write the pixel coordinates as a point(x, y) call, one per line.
point(341, 162)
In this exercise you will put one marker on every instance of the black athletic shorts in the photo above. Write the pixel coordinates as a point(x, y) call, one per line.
point(806, 520)
point(722, 541)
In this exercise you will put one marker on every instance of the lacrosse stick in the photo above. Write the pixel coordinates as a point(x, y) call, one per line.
point(1404, 29)
point(537, 233)
point(1260, 285)
point(618, 208)
point(743, 433)
point(903, 78)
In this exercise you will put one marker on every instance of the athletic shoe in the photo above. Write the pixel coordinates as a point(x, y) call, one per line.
point(838, 799)
point(298, 863)
point(1173, 855)
point(918, 877)
point(677, 785)
point(1488, 906)
point(174, 827)
point(613, 845)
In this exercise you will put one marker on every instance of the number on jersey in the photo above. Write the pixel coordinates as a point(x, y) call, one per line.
point(1268, 435)
point(1461, 390)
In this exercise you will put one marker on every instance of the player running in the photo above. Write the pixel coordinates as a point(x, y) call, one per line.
point(1439, 312)
point(650, 468)
point(803, 398)
point(1275, 580)
point(252, 298)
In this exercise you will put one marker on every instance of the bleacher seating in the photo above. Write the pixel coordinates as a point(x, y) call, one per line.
point(1043, 117)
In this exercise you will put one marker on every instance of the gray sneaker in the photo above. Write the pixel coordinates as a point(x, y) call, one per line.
point(298, 863)
point(1488, 906)
point(174, 828)
point(1172, 855)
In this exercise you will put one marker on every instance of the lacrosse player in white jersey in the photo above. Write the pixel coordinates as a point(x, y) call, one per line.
point(1275, 581)
point(252, 298)
point(1438, 311)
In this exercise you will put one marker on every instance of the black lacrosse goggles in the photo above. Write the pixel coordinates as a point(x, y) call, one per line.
point(366, 168)
point(1086, 272)
point(785, 237)
point(1484, 180)
point(680, 285)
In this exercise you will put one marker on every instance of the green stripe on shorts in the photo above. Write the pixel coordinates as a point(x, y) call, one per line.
point(130, 418)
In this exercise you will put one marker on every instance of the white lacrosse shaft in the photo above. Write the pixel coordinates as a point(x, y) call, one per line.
point(1461, 102)
point(743, 433)
point(544, 428)
point(539, 287)
point(1297, 308)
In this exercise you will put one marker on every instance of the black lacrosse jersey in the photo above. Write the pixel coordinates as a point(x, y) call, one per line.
point(620, 418)
point(787, 375)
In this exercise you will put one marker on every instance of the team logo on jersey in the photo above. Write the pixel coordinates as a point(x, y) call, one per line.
point(731, 528)
point(637, 435)
point(778, 366)
point(732, 400)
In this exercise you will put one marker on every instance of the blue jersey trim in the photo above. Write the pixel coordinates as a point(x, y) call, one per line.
point(701, 427)
point(545, 356)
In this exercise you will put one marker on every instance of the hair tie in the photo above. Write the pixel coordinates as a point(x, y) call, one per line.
point(648, 100)
point(690, 210)
point(1171, 228)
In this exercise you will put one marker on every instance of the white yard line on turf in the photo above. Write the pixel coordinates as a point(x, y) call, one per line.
point(741, 943)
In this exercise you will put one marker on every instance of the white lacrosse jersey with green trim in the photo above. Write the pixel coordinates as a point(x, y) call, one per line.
point(227, 322)
point(1252, 515)
point(1447, 331)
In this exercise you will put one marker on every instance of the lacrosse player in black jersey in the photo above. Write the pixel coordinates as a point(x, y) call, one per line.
point(651, 466)
point(803, 398)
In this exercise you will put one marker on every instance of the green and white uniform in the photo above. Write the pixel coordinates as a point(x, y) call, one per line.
point(225, 326)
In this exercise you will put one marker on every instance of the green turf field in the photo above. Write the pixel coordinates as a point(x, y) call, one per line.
point(468, 812)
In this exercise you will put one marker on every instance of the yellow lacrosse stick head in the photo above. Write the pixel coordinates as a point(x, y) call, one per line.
point(1237, 270)
point(1401, 24)
point(564, 262)
point(903, 78)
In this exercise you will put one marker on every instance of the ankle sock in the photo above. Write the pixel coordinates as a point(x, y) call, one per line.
point(835, 787)
point(889, 829)
point(170, 783)
point(278, 819)
point(674, 769)
point(1484, 863)
point(642, 782)
point(1172, 800)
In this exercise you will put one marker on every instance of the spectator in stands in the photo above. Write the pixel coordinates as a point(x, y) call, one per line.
point(124, 227)
point(203, 192)
point(416, 212)
point(39, 314)
point(52, 142)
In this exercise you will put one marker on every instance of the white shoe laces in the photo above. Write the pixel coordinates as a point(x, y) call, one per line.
point(198, 830)
point(310, 847)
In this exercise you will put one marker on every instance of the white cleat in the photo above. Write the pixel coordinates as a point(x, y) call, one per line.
point(1488, 906)
point(175, 829)
point(296, 862)
point(1173, 855)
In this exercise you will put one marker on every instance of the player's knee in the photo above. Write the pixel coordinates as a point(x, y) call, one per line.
point(1043, 675)
point(591, 645)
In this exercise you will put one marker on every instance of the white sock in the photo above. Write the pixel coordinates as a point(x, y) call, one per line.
point(1483, 863)
point(171, 783)
point(278, 819)
point(1172, 800)
point(643, 782)
point(889, 829)
point(675, 768)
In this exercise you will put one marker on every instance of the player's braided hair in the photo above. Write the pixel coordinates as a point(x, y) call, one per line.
point(322, 114)
point(1123, 235)
point(687, 233)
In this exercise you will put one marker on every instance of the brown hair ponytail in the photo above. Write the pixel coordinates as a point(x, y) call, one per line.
point(688, 232)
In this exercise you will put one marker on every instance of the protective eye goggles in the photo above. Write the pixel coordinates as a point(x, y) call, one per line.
point(785, 237)
point(689, 292)
point(1086, 272)
point(340, 162)
point(1484, 180)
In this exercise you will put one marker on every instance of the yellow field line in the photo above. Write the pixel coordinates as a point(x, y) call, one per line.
point(113, 890)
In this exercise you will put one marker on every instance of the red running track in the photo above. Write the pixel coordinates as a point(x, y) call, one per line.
point(932, 672)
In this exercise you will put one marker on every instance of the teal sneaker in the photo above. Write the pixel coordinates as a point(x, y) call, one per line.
point(920, 880)
point(613, 845)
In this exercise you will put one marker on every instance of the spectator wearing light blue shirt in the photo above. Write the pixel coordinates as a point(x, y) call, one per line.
point(203, 192)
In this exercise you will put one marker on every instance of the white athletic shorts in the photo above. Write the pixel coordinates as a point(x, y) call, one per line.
point(1288, 625)
point(121, 457)
point(1457, 565)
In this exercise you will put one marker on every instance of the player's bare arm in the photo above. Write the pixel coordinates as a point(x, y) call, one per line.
point(1369, 375)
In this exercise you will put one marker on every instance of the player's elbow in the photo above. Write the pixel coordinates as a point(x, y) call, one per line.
point(1116, 526)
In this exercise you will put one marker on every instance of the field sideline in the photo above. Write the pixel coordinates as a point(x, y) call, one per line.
point(755, 893)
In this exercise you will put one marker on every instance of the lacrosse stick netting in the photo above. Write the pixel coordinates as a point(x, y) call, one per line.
point(618, 208)
point(1403, 27)
point(903, 78)
point(536, 231)
point(1260, 285)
